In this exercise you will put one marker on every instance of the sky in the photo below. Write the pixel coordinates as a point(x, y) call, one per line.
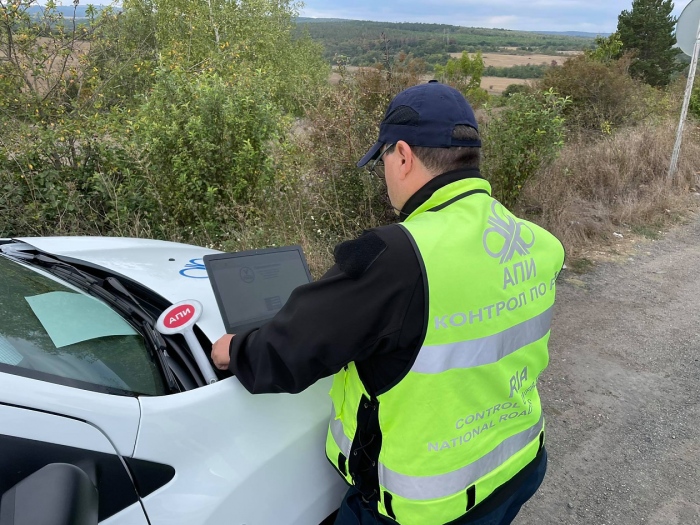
point(595, 16)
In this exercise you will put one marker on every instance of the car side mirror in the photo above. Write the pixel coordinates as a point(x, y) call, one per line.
point(58, 494)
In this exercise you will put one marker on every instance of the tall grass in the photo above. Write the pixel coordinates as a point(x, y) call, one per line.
point(597, 187)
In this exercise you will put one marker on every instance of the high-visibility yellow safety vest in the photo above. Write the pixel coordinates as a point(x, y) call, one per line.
point(467, 416)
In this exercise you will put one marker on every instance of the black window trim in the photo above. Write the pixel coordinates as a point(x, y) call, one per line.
point(66, 381)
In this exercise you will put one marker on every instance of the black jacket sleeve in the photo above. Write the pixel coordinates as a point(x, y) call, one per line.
point(356, 312)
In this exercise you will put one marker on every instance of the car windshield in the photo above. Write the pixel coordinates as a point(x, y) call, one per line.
point(52, 332)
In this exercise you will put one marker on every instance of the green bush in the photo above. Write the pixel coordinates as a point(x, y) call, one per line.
point(694, 106)
point(512, 89)
point(523, 71)
point(160, 119)
point(524, 135)
point(66, 178)
point(465, 75)
point(602, 94)
point(205, 139)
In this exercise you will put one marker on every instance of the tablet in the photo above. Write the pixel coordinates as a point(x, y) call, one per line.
point(252, 286)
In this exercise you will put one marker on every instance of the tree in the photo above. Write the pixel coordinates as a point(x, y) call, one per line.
point(649, 29)
point(606, 49)
point(465, 74)
point(152, 119)
point(42, 53)
point(520, 138)
point(233, 37)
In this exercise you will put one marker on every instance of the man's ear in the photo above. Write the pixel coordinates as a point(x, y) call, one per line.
point(406, 157)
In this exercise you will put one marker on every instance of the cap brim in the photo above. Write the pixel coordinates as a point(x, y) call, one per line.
point(370, 154)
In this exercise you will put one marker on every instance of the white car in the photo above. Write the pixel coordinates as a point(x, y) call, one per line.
point(118, 420)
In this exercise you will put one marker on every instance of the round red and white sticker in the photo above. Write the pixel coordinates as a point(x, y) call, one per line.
point(179, 316)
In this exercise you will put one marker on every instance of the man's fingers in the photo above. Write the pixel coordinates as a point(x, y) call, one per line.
point(219, 352)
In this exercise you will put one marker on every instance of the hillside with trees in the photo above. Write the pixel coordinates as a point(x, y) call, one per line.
point(219, 127)
point(362, 43)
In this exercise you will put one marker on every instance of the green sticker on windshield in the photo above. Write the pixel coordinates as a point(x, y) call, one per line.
point(70, 318)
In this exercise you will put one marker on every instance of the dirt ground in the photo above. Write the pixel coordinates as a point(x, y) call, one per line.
point(622, 393)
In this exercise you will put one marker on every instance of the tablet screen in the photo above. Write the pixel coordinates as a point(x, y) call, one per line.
point(251, 287)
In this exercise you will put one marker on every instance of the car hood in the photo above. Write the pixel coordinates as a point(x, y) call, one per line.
point(173, 270)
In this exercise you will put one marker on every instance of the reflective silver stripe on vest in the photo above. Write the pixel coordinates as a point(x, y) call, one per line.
point(420, 488)
point(484, 351)
point(344, 444)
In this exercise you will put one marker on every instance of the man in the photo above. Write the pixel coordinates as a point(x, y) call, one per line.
point(435, 330)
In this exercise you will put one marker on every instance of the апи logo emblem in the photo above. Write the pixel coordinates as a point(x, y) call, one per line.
point(507, 235)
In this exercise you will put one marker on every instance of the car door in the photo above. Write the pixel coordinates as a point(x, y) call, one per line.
point(240, 458)
point(31, 439)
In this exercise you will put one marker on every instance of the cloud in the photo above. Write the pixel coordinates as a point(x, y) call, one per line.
point(502, 21)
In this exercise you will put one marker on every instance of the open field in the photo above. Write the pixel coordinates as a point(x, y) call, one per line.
point(509, 60)
point(496, 85)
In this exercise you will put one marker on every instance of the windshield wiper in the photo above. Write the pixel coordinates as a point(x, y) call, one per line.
point(157, 343)
point(158, 339)
point(95, 286)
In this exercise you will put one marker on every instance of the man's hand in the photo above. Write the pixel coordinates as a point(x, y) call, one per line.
point(220, 352)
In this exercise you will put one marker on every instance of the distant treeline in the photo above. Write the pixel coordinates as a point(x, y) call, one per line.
point(363, 43)
point(526, 71)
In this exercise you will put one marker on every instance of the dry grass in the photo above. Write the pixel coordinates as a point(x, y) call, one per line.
point(497, 85)
point(616, 184)
point(509, 60)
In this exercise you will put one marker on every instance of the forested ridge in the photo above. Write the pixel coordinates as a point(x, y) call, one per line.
point(363, 43)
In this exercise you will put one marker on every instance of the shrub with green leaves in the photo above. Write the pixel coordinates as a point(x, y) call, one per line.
point(465, 75)
point(258, 34)
point(205, 139)
point(512, 89)
point(523, 136)
point(156, 119)
point(694, 106)
point(67, 178)
point(603, 94)
point(606, 50)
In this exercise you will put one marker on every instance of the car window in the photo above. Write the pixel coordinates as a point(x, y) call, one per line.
point(83, 352)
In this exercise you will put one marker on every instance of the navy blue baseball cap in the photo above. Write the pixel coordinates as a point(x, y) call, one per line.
point(425, 115)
